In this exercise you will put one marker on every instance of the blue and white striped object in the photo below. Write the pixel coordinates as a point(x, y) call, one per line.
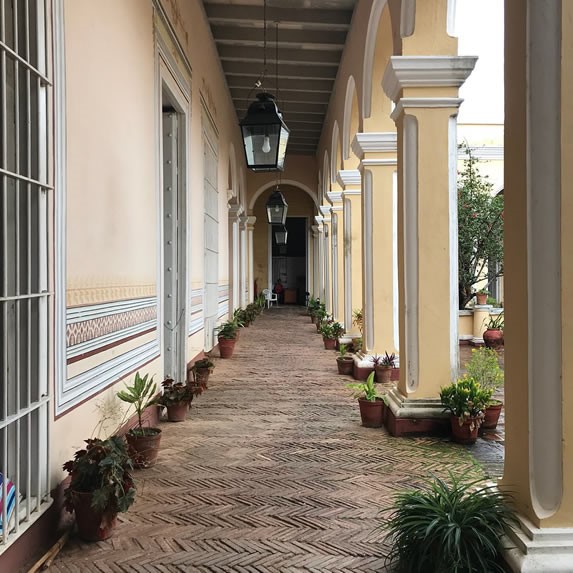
point(10, 498)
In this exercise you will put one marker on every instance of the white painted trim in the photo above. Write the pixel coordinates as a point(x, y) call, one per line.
point(369, 51)
point(334, 151)
point(334, 196)
point(407, 18)
point(350, 192)
point(425, 71)
point(89, 312)
point(425, 103)
point(325, 212)
point(544, 252)
point(346, 177)
point(368, 260)
point(292, 182)
point(372, 142)
point(334, 266)
point(411, 280)
point(395, 282)
point(453, 236)
point(350, 91)
point(451, 18)
point(270, 280)
point(370, 162)
point(347, 246)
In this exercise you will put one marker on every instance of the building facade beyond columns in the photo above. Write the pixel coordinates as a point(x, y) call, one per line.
point(538, 265)
point(425, 91)
point(350, 182)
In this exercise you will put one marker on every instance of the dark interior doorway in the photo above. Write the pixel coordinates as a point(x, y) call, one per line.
point(289, 261)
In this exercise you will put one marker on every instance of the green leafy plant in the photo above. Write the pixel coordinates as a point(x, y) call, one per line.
point(358, 319)
point(103, 469)
point(176, 393)
point(480, 230)
point(141, 395)
point(203, 363)
point(228, 330)
point(342, 350)
point(366, 390)
point(482, 291)
point(239, 317)
point(331, 329)
point(389, 360)
point(492, 301)
point(454, 527)
point(465, 398)
point(483, 367)
point(313, 305)
point(495, 322)
point(321, 314)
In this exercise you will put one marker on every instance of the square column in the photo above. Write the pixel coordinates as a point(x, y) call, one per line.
point(319, 259)
point(234, 252)
point(538, 265)
point(251, 275)
point(326, 258)
point(244, 265)
point(378, 164)
point(316, 240)
point(425, 91)
point(350, 182)
point(337, 242)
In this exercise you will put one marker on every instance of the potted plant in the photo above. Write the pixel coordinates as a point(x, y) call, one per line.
point(201, 370)
point(143, 441)
point(227, 336)
point(466, 401)
point(484, 368)
point(481, 296)
point(344, 361)
point(371, 403)
point(331, 331)
point(493, 335)
point(384, 366)
point(320, 315)
point(457, 527)
point(313, 306)
point(100, 487)
point(358, 319)
point(176, 399)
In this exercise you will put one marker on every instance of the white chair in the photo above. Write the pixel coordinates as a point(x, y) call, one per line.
point(270, 297)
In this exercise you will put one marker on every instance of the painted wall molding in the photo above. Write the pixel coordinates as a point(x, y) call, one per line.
point(335, 196)
point(347, 177)
point(386, 141)
point(425, 71)
point(425, 103)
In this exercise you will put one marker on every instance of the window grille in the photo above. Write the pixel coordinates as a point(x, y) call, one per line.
point(24, 293)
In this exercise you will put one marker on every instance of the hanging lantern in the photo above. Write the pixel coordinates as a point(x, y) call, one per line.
point(265, 135)
point(276, 208)
point(281, 234)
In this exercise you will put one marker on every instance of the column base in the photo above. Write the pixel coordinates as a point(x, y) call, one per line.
point(363, 365)
point(407, 417)
point(549, 550)
point(477, 341)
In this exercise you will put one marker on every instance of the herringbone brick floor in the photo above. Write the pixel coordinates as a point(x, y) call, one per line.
point(271, 473)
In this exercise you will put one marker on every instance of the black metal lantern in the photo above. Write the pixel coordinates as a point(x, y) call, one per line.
point(265, 135)
point(281, 234)
point(276, 208)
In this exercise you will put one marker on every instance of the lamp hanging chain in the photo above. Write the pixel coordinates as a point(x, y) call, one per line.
point(264, 38)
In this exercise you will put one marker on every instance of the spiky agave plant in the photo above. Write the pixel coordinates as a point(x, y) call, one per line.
point(449, 528)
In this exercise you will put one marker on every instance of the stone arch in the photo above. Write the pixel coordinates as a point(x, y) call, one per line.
point(335, 153)
point(325, 178)
point(351, 117)
point(292, 182)
point(232, 176)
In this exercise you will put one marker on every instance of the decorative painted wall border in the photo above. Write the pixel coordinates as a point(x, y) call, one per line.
point(94, 328)
point(223, 301)
point(196, 321)
point(85, 385)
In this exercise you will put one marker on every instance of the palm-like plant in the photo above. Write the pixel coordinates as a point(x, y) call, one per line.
point(140, 395)
point(449, 528)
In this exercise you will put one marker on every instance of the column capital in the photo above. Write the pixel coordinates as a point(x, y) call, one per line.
point(251, 223)
point(325, 212)
point(316, 230)
point(425, 71)
point(336, 209)
point(334, 196)
point(348, 177)
point(235, 211)
point(374, 142)
point(319, 219)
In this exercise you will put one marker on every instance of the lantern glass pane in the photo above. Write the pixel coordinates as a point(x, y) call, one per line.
point(283, 141)
point(261, 145)
point(276, 214)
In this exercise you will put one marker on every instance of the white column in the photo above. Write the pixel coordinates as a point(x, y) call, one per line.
point(320, 260)
point(251, 278)
point(336, 242)
point(244, 261)
point(327, 285)
point(234, 252)
point(316, 240)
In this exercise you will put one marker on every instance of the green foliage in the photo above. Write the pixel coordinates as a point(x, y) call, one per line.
point(484, 368)
point(389, 360)
point(313, 305)
point(331, 329)
point(320, 313)
point(175, 393)
point(140, 395)
point(203, 363)
point(227, 330)
point(480, 229)
point(449, 528)
point(494, 302)
point(358, 319)
point(366, 390)
point(103, 469)
point(342, 349)
point(465, 398)
point(495, 322)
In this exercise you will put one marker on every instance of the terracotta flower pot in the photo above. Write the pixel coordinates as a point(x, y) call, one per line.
point(177, 412)
point(313, 319)
point(226, 347)
point(395, 374)
point(329, 343)
point(92, 525)
point(383, 374)
point(144, 448)
point(202, 376)
point(467, 432)
point(345, 365)
point(481, 299)
point(371, 412)
point(493, 338)
point(491, 415)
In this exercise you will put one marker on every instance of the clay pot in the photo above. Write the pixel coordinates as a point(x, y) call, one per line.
point(491, 415)
point(345, 365)
point(383, 374)
point(395, 374)
point(202, 377)
point(226, 347)
point(92, 525)
point(177, 412)
point(329, 343)
point(481, 299)
point(144, 448)
point(493, 338)
point(372, 413)
point(313, 319)
point(467, 433)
